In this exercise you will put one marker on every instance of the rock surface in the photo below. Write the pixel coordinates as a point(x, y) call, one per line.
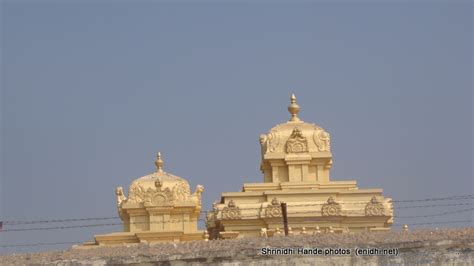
point(440, 247)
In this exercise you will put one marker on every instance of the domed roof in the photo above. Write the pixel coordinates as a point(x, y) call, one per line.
point(295, 136)
point(170, 187)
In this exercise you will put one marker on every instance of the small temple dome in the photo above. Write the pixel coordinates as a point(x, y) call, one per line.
point(159, 208)
point(160, 188)
point(295, 136)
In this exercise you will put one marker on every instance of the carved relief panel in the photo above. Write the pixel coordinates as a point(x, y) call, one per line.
point(331, 208)
point(374, 208)
point(297, 142)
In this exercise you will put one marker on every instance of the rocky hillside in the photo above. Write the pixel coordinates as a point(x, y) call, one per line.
point(440, 247)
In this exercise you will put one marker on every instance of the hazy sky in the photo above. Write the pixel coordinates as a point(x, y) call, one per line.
point(90, 91)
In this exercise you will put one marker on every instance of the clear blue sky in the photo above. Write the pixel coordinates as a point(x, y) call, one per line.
point(91, 91)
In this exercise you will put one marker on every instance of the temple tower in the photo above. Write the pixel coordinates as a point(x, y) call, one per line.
point(296, 163)
point(296, 151)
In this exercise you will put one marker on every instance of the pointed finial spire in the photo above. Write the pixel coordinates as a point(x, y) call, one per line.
point(159, 163)
point(294, 109)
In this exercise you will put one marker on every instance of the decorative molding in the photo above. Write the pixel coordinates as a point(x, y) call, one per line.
point(230, 212)
point(374, 208)
point(297, 143)
point(322, 139)
point(273, 209)
point(269, 142)
point(331, 208)
point(159, 196)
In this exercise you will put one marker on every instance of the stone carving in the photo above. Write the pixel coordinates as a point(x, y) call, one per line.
point(374, 208)
point(278, 232)
point(181, 191)
point(197, 194)
point(273, 209)
point(205, 235)
point(199, 191)
point(136, 193)
point(328, 165)
point(158, 195)
point(331, 208)
point(211, 216)
point(297, 142)
point(303, 231)
point(322, 139)
point(230, 212)
point(120, 196)
point(316, 230)
point(270, 141)
point(210, 219)
point(263, 140)
point(214, 206)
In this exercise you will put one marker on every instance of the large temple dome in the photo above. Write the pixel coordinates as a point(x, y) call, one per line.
point(295, 136)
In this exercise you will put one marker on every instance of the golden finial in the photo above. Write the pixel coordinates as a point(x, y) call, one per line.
point(294, 109)
point(159, 163)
